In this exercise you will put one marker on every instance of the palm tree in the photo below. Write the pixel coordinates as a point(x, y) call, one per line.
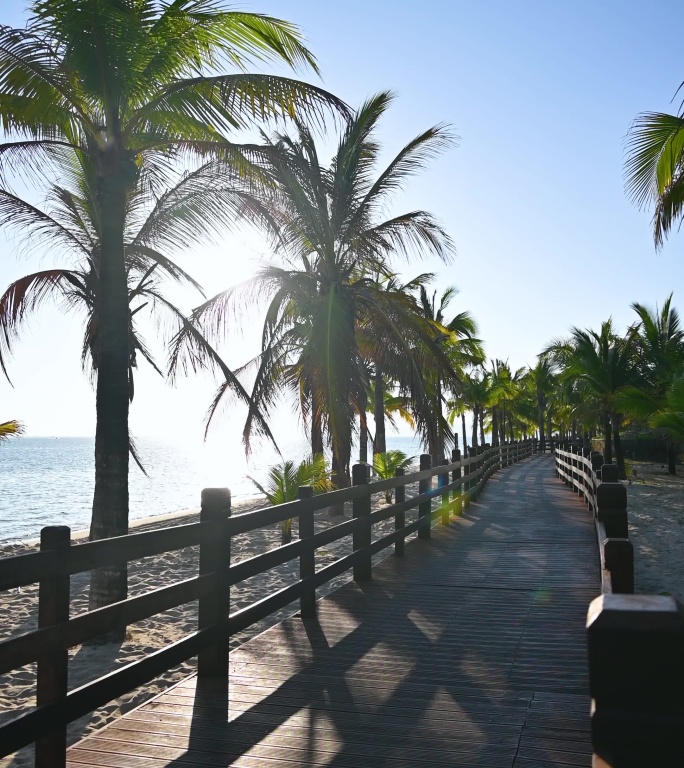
point(458, 337)
point(457, 406)
point(285, 479)
point(542, 381)
point(475, 389)
point(327, 314)
point(654, 169)
point(152, 234)
point(10, 429)
point(409, 379)
point(386, 465)
point(502, 393)
point(127, 85)
point(601, 364)
point(660, 356)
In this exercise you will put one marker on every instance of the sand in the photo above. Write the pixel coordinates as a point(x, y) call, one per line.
point(655, 511)
point(88, 662)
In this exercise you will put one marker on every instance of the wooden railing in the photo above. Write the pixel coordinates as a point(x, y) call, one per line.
point(635, 642)
point(459, 482)
point(606, 498)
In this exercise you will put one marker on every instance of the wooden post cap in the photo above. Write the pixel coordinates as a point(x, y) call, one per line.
point(609, 473)
point(649, 612)
point(359, 474)
point(53, 536)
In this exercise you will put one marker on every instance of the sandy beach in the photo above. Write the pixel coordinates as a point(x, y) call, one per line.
point(88, 662)
point(655, 510)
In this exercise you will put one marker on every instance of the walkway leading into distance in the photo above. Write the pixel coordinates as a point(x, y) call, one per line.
point(469, 651)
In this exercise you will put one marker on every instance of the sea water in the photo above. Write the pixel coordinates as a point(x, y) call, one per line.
point(49, 480)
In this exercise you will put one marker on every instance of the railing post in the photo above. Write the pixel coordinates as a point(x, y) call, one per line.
point(619, 558)
point(425, 508)
point(399, 517)
point(444, 480)
point(466, 485)
point(636, 677)
point(362, 537)
point(307, 554)
point(457, 494)
point(214, 607)
point(611, 499)
point(53, 668)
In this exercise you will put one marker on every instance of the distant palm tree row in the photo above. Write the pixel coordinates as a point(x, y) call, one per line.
point(593, 382)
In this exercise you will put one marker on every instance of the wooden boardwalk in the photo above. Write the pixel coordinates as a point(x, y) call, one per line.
point(469, 651)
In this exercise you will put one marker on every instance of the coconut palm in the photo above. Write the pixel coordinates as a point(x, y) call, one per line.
point(654, 169)
point(457, 407)
point(475, 392)
point(660, 362)
point(334, 240)
point(503, 391)
point(69, 224)
point(542, 381)
point(386, 465)
point(10, 429)
point(409, 378)
point(285, 479)
point(601, 364)
point(458, 337)
point(134, 88)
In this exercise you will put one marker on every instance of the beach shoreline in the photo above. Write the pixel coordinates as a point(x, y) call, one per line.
point(150, 522)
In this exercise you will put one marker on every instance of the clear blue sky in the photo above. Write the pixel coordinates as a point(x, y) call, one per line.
point(541, 95)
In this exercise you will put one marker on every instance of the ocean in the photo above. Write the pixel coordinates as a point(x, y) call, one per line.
point(49, 480)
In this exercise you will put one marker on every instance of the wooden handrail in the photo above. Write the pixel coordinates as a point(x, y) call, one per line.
point(608, 503)
point(57, 632)
point(635, 642)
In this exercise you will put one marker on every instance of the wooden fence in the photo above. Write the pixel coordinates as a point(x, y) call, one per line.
point(458, 482)
point(635, 642)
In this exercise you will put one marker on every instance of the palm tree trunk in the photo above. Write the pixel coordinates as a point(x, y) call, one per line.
point(607, 439)
point(482, 434)
point(316, 426)
point(474, 432)
point(542, 438)
point(549, 424)
point(380, 442)
point(671, 457)
point(495, 427)
point(619, 453)
point(363, 430)
point(463, 431)
point(110, 500)
point(540, 422)
point(340, 470)
point(437, 450)
point(502, 424)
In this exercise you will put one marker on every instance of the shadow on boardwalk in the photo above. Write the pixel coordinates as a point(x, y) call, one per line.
point(469, 651)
